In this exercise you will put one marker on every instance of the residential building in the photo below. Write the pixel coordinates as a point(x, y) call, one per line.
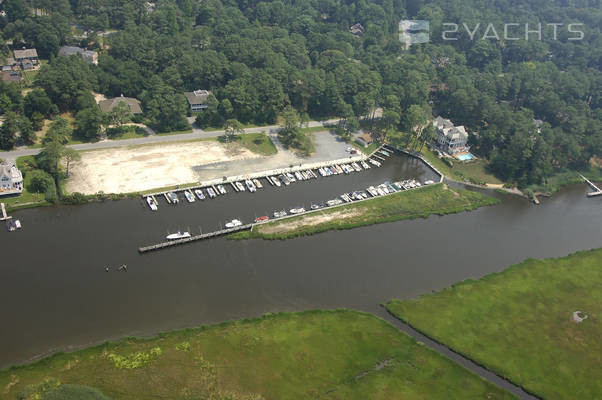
point(109, 104)
point(29, 56)
point(10, 64)
point(197, 99)
point(91, 57)
point(450, 139)
point(12, 76)
point(357, 29)
point(11, 179)
point(365, 139)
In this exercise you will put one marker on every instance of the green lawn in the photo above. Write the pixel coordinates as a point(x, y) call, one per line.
point(366, 150)
point(519, 323)
point(259, 143)
point(436, 199)
point(175, 132)
point(475, 170)
point(561, 179)
point(26, 199)
point(315, 354)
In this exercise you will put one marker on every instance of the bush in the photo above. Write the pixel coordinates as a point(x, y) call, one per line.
point(40, 181)
point(50, 195)
point(75, 198)
point(447, 161)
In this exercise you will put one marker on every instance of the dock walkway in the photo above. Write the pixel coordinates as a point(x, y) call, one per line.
point(597, 191)
point(4, 216)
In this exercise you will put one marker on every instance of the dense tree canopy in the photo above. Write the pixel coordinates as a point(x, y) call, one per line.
point(260, 58)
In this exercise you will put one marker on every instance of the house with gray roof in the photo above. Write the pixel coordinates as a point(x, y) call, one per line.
point(134, 105)
point(11, 179)
point(198, 99)
point(89, 56)
point(450, 138)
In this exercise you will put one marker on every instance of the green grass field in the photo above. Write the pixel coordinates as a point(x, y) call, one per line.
point(315, 354)
point(259, 143)
point(519, 323)
point(436, 199)
point(475, 170)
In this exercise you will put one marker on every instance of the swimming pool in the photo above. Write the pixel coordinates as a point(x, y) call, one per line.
point(466, 157)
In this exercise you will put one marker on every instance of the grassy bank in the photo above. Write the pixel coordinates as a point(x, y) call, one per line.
point(315, 354)
point(472, 172)
point(258, 143)
point(561, 179)
point(519, 323)
point(436, 199)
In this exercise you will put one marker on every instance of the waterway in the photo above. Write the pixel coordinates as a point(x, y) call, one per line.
point(55, 293)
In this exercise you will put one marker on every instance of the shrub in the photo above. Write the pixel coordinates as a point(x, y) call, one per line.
point(447, 161)
point(39, 181)
point(75, 198)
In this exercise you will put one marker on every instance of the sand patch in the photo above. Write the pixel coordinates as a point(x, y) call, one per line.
point(134, 169)
point(308, 220)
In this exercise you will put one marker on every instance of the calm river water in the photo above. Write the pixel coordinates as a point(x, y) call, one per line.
point(55, 293)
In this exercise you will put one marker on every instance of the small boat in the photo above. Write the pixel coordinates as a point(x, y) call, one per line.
point(339, 169)
point(290, 177)
point(189, 196)
point(233, 224)
point(211, 193)
point(257, 184)
point(334, 202)
point(384, 153)
point(316, 206)
point(276, 181)
point(123, 267)
point(297, 210)
point(284, 179)
point(178, 235)
point(199, 193)
point(280, 214)
point(250, 186)
point(152, 203)
point(173, 197)
point(356, 167)
point(262, 219)
point(240, 186)
point(429, 182)
point(222, 189)
point(365, 165)
point(299, 176)
point(17, 224)
point(374, 162)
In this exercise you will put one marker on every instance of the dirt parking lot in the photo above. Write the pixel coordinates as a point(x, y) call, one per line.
point(133, 169)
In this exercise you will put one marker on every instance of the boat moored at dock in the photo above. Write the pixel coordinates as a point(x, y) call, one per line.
point(199, 193)
point(178, 235)
point(189, 196)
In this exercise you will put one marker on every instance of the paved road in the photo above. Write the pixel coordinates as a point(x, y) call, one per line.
point(195, 134)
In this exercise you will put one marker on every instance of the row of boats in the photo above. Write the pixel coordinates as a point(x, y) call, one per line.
point(252, 185)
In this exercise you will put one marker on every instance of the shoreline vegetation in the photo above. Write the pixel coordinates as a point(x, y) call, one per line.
point(520, 323)
point(438, 199)
point(338, 354)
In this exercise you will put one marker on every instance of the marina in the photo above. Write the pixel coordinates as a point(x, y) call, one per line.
point(597, 191)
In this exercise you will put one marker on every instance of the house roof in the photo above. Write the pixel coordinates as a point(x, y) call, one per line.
point(11, 76)
point(134, 104)
point(11, 171)
point(27, 53)
point(197, 97)
point(10, 61)
point(442, 123)
point(70, 50)
point(455, 132)
point(367, 137)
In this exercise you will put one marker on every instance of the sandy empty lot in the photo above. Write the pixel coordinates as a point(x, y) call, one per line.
point(133, 169)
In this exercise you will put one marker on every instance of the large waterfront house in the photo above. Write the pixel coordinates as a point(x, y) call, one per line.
point(134, 105)
point(450, 138)
point(11, 180)
point(89, 56)
point(197, 99)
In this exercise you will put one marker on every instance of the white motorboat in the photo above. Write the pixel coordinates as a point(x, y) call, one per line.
point(199, 193)
point(189, 196)
point(290, 177)
point(240, 186)
point(211, 193)
point(374, 162)
point(250, 186)
point(257, 184)
point(276, 181)
point(152, 203)
point(222, 189)
point(178, 235)
point(173, 197)
point(297, 210)
point(233, 224)
point(280, 214)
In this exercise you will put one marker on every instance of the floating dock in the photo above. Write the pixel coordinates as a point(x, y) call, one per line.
point(596, 192)
point(4, 216)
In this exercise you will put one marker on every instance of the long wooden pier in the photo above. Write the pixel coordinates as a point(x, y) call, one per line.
point(202, 236)
point(597, 191)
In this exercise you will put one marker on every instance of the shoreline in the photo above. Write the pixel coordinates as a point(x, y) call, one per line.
point(384, 209)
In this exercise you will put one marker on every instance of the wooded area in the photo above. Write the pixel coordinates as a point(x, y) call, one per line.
point(259, 58)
